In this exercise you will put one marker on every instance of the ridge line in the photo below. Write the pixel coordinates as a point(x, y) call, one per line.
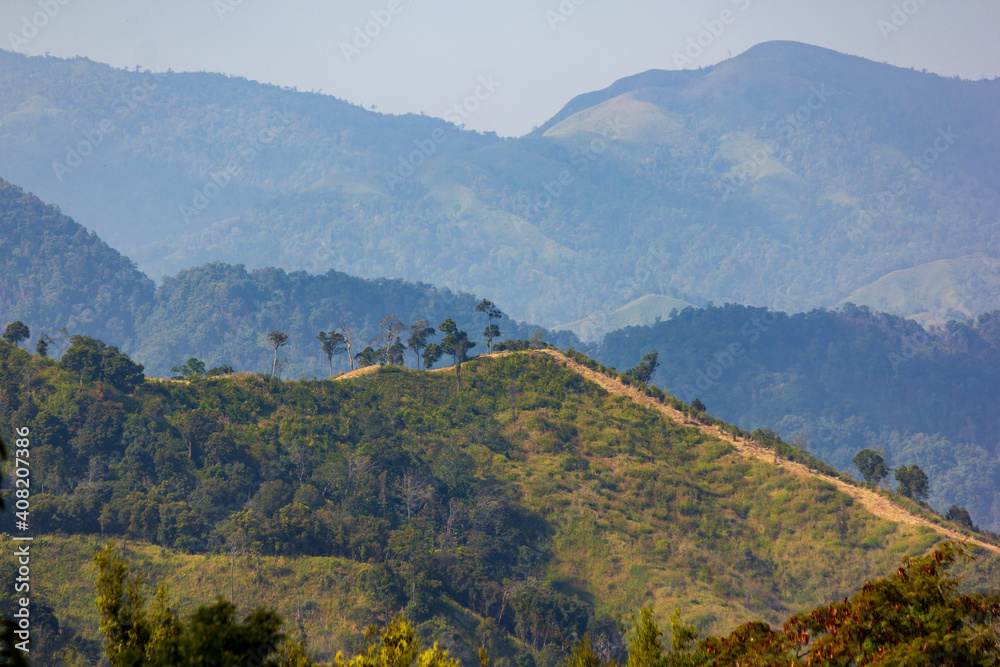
point(875, 503)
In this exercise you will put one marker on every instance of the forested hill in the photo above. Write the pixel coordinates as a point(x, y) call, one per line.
point(844, 380)
point(54, 275)
point(222, 314)
point(519, 511)
point(710, 184)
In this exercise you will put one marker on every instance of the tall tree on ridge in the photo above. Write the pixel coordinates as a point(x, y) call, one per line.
point(419, 333)
point(347, 333)
point(16, 332)
point(456, 343)
point(331, 343)
point(492, 313)
point(278, 340)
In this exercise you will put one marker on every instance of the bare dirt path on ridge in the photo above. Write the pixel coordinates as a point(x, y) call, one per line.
point(357, 372)
point(875, 503)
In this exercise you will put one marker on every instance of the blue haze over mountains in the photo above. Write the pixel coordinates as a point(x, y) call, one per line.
point(781, 177)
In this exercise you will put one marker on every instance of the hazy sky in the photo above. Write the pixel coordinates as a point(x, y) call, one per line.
point(429, 55)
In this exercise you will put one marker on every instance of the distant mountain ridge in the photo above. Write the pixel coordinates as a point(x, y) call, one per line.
point(783, 176)
point(54, 274)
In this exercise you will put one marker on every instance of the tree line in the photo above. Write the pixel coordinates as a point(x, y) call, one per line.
point(385, 348)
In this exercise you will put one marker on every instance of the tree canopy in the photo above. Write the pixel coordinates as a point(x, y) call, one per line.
point(913, 482)
point(871, 465)
point(16, 332)
point(93, 360)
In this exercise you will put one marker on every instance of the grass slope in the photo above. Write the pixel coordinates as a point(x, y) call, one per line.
point(639, 508)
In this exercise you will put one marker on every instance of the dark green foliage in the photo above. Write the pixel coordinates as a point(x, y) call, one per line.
point(913, 617)
point(139, 634)
point(16, 332)
point(913, 482)
point(192, 369)
point(9, 652)
point(513, 346)
point(220, 313)
point(332, 343)
point(698, 406)
point(367, 357)
point(42, 346)
point(59, 278)
point(546, 616)
point(377, 470)
point(92, 360)
point(871, 465)
point(277, 340)
point(57, 274)
point(960, 515)
point(432, 355)
point(394, 353)
point(643, 371)
point(455, 341)
point(491, 331)
point(420, 331)
point(213, 636)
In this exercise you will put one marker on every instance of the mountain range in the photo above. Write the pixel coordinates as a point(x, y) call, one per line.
point(789, 176)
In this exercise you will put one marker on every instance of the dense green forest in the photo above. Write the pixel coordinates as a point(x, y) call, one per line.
point(693, 185)
point(843, 381)
point(55, 275)
point(530, 503)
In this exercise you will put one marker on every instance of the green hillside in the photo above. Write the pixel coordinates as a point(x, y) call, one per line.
point(520, 511)
point(936, 292)
point(55, 274)
point(789, 176)
point(843, 381)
